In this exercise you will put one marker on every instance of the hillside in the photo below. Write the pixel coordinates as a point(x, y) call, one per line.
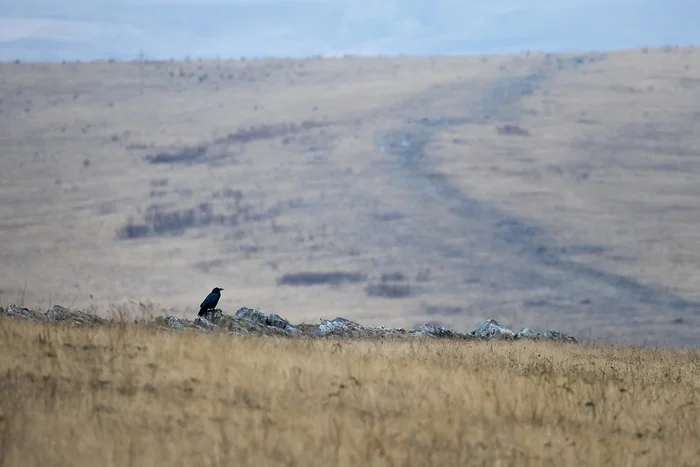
point(549, 191)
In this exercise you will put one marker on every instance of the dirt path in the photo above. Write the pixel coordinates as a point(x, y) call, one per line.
point(517, 265)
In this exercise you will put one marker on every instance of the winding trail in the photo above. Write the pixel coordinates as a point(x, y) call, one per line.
point(514, 262)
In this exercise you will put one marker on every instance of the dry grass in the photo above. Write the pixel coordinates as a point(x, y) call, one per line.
point(113, 115)
point(293, 180)
point(612, 160)
point(133, 395)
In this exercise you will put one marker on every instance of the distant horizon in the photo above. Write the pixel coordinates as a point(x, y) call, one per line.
point(147, 59)
point(40, 31)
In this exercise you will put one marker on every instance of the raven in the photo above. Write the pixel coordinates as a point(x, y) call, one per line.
point(210, 302)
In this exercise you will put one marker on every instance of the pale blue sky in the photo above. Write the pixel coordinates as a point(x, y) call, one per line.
point(94, 29)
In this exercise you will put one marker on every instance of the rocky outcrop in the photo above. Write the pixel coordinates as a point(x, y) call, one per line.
point(492, 329)
point(341, 327)
point(273, 320)
point(59, 314)
point(245, 322)
point(55, 314)
point(13, 310)
point(248, 321)
point(431, 330)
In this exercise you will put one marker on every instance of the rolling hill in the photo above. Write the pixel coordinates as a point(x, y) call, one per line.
point(546, 190)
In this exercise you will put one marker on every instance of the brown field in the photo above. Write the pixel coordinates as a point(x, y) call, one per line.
point(125, 394)
point(548, 191)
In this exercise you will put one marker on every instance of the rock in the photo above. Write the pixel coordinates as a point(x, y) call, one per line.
point(556, 335)
point(171, 321)
point(528, 333)
point(248, 321)
point(24, 313)
point(431, 330)
point(212, 315)
point(273, 320)
point(390, 330)
point(341, 327)
point(492, 329)
point(489, 329)
point(57, 313)
point(202, 322)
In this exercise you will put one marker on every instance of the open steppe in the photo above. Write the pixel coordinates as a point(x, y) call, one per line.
point(542, 190)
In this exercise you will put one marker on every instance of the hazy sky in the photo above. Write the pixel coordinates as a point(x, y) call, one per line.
point(94, 29)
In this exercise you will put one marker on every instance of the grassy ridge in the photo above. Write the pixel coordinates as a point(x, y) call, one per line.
point(127, 394)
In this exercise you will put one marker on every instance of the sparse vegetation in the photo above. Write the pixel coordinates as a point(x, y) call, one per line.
point(187, 155)
point(393, 276)
point(512, 130)
point(220, 148)
point(388, 290)
point(320, 278)
point(160, 221)
point(270, 131)
point(444, 310)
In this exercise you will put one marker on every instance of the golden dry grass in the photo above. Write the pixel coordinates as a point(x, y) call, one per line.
point(132, 395)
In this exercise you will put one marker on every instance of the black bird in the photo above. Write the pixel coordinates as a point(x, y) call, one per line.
point(210, 302)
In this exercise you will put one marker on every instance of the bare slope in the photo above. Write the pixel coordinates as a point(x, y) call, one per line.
point(448, 189)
